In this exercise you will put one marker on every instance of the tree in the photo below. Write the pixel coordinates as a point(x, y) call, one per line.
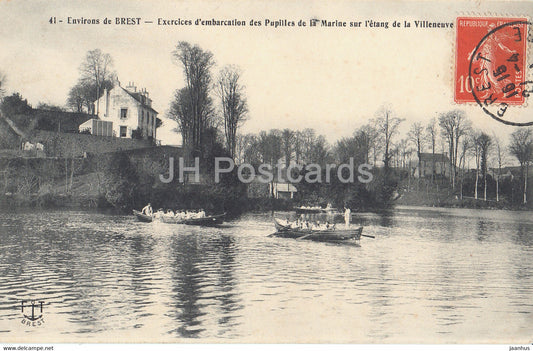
point(96, 71)
point(269, 146)
point(180, 111)
point(416, 136)
point(15, 104)
point(476, 150)
point(454, 125)
point(49, 107)
point(366, 140)
point(81, 96)
point(2, 85)
point(345, 148)
point(387, 126)
point(485, 143)
point(121, 182)
point(311, 148)
point(431, 138)
point(499, 159)
point(287, 138)
point(246, 150)
point(466, 146)
point(196, 64)
point(233, 101)
point(522, 148)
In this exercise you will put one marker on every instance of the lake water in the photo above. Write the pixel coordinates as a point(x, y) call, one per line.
point(430, 275)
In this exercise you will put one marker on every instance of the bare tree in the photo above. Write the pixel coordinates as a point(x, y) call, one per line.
point(346, 148)
point(180, 111)
point(476, 151)
point(308, 137)
point(454, 126)
point(499, 159)
point(416, 136)
point(367, 140)
point(431, 138)
point(481, 147)
point(96, 69)
point(466, 146)
point(196, 64)
point(234, 106)
point(387, 126)
point(81, 98)
point(485, 143)
point(287, 139)
point(402, 150)
point(522, 148)
point(270, 146)
point(248, 149)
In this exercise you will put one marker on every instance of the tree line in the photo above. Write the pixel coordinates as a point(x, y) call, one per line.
point(472, 154)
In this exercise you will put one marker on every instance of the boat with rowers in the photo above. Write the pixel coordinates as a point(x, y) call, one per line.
point(315, 209)
point(201, 221)
point(326, 233)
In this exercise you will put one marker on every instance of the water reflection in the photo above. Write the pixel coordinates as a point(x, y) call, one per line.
point(203, 282)
point(227, 285)
point(187, 280)
point(430, 275)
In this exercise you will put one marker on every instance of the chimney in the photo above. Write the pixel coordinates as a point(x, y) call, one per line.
point(131, 87)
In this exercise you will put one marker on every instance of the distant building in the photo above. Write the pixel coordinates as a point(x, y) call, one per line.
point(426, 161)
point(283, 190)
point(128, 110)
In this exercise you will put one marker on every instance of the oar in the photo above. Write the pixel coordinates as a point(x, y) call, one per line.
point(305, 236)
point(368, 236)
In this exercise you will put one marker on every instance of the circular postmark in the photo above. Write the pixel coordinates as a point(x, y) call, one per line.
point(499, 70)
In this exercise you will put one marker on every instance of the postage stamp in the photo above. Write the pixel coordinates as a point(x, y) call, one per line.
point(491, 64)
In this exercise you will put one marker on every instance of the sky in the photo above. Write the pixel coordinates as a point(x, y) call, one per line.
point(328, 78)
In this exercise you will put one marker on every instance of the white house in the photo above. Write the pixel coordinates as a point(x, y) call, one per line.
point(128, 110)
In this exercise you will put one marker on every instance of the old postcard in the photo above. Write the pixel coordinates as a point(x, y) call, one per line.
point(266, 172)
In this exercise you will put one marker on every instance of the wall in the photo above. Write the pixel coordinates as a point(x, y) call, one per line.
point(75, 145)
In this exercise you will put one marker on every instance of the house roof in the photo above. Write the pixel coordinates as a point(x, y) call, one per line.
point(430, 157)
point(137, 97)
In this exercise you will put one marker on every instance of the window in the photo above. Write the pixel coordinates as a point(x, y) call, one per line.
point(123, 131)
point(142, 117)
point(123, 113)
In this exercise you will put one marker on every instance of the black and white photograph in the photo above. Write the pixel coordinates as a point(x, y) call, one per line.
point(266, 172)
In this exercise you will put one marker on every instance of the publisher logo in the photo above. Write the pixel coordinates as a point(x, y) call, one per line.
point(32, 312)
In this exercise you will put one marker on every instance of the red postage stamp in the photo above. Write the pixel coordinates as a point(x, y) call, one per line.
point(490, 62)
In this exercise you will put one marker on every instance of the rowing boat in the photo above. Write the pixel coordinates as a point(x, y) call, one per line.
point(203, 221)
point(141, 217)
point(309, 210)
point(342, 236)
